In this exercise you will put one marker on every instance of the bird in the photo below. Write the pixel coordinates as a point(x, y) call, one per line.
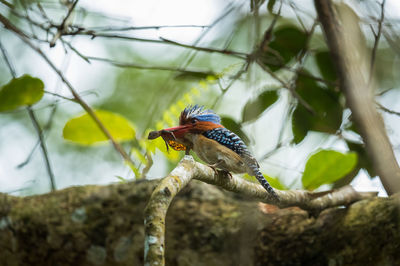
point(200, 130)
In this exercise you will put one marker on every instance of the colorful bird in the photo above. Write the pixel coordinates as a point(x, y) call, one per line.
point(200, 130)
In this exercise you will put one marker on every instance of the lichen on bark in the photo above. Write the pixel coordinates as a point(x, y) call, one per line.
point(103, 225)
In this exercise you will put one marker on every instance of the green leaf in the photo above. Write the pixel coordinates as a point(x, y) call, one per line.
point(327, 166)
point(327, 116)
point(325, 65)
point(235, 127)
point(274, 182)
point(254, 108)
point(363, 159)
point(83, 130)
point(22, 91)
point(287, 42)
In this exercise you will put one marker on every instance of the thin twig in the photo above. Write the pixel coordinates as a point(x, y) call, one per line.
point(43, 147)
point(287, 86)
point(156, 27)
point(35, 124)
point(149, 164)
point(235, 77)
point(93, 34)
point(377, 38)
point(383, 108)
point(64, 25)
point(138, 66)
point(206, 49)
point(76, 96)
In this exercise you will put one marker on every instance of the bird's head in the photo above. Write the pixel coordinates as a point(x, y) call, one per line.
point(193, 119)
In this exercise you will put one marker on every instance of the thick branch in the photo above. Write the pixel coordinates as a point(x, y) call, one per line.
point(352, 70)
point(103, 225)
point(187, 169)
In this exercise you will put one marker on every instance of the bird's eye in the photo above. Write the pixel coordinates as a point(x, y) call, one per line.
point(193, 120)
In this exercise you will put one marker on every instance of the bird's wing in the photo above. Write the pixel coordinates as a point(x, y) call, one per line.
point(230, 140)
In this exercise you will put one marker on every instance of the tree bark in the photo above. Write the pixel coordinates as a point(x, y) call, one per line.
point(103, 225)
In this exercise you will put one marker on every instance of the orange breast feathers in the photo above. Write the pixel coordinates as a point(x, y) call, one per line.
point(203, 126)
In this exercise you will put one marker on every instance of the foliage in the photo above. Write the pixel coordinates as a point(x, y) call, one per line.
point(327, 166)
point(325, 114)
point(83, 130)
point(253, 109)
point(19, 92)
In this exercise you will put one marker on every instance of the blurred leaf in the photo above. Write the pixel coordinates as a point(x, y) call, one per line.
point(235, 127)
point(83, 130)
point(254, 108)
point(302, 122)
point(274, 182)
point(327, 166)
point(363, 158)
point(324, 102)
point(286, 43)
point(325, 65)
point(270, 6)
point(19, 92)
point(191, 75)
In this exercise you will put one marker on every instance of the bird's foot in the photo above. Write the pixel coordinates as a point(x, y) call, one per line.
point(227, 173)
point(218, 171)
point(214, 168)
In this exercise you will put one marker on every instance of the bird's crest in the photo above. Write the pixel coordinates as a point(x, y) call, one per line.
point(199, 113)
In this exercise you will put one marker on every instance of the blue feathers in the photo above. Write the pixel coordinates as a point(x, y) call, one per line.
point(228, 139)
point(199, 113)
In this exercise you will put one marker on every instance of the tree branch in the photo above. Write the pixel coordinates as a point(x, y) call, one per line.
point(188, 169)
point(352, 70)
point(64, 24)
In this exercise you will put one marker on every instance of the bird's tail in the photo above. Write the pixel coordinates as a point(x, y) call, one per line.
point(264, 182)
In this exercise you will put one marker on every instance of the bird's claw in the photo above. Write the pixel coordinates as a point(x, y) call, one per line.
point(226, 172)
point(217, 172)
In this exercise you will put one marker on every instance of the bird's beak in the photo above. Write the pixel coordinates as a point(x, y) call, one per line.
point(170, 133)
point(178, 128)
point(178, 131)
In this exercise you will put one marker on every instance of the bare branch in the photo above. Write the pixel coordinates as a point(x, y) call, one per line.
point(383, 108)
point(284, 84)
point(43, 147)
point(64, 24)
point(157, 27)
point(206, 49)
point(138, 66)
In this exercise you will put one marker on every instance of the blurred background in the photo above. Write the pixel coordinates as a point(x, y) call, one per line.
point(259, 64)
